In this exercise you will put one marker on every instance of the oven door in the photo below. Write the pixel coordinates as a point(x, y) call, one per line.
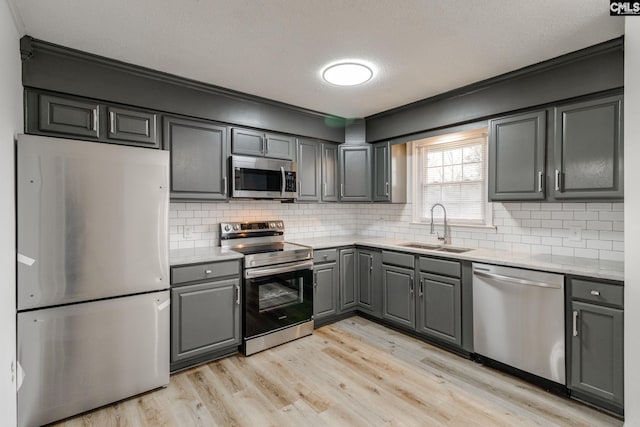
point(277, 297)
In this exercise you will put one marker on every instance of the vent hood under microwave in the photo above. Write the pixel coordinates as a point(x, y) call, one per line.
point(260, 178)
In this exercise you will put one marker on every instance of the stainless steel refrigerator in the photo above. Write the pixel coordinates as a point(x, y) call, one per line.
point(92, 275)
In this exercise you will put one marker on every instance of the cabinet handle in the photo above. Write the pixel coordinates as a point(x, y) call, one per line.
point(315, 279)
point(341, 190)
point(386, 188)
point(224, 185)
point(421, 287)
point(411, 286)
point(208, 271)
point(237, 295)
point(557, 180)
point(299, 186)
point(370, 263)
point(112, 122)
point(539, 181)
point(324, 189)
point(595, 293)
point(95, 119)
point(575, 323)
point(264, 145)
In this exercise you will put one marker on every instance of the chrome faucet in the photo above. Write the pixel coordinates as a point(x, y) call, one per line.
point(445, 237)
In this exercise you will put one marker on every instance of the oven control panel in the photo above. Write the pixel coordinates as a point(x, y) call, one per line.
point(229, 229)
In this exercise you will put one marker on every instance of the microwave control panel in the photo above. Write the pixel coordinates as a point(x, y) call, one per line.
point(290, 182)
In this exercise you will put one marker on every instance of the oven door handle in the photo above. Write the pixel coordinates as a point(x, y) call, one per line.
point(261, 272)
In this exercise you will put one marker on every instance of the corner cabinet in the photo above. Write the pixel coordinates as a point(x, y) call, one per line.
point(588, 149)
point(369, 281)
point(308, 170)
point(597, 332)
point(517, 157)
point(348, 299)
point(205, 312)
point(355, 173)
point(256, 143)
point(198, 153)
point(329, 175)
point(390, 172)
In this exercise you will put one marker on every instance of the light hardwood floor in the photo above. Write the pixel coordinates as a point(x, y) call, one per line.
point(352, 373)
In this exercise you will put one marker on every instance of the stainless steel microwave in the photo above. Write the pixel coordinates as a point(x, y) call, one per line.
point(260, 178)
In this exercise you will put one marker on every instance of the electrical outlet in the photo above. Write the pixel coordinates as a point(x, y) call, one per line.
point(575, 234)
point(186, 232)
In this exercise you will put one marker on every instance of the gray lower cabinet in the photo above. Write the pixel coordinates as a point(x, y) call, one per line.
point(439, 308)
point(398, 295)
point(325, 286)
point(309, 170)
point(329, 175)
point(597, 332)
point(348, 297)
point(198, 159)
point(369, 281)
point(205, 319)
point(355, 173)
point(588, 149)
point(257, 143)
point(517, 157)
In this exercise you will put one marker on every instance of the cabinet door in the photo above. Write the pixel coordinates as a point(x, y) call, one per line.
point(364, 277)
point(198, 159)
point(516, 157)
point(308, 170)
point(398, 295)
point(382, 172)
point(329, 173)
point(588, 150)
point(247, 142)
point(325, 296)
point(597, 366)
point(67, 116)
point(355, 173)
point(280, 147)
point(205, 318)
point(348, 300)
point(135, 127)
point(439, 306)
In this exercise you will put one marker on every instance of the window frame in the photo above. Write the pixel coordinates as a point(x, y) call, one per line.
point(424, 218)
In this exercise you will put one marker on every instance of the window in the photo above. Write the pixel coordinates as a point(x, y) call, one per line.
point(452, 170)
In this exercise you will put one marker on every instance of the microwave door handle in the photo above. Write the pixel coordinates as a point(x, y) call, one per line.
point(283, 180)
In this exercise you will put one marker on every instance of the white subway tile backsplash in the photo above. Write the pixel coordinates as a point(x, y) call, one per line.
point(530, 227)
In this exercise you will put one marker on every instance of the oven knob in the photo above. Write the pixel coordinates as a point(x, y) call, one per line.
point(227, 227)
point(272, 225)
point(236, 227)
point(280, 225)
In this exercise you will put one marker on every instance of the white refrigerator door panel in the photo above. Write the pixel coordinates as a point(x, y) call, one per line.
point(82, 356)
point(93, 217)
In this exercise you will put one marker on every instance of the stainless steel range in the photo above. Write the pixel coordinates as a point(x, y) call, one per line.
point(278, 283)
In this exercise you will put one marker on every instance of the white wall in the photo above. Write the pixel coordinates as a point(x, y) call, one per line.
point(10, 124)
point(631, 213)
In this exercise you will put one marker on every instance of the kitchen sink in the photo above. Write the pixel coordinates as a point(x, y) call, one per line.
point(439, 248)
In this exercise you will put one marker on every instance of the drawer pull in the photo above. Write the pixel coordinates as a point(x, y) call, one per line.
point(595, 293)
point(208, 271)
point(325, 256)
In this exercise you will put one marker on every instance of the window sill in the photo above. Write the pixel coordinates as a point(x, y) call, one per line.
point(454, 226)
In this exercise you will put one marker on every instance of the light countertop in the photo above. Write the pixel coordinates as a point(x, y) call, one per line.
point(196, 255)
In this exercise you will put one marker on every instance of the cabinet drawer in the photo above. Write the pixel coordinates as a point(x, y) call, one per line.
point(191, 273)
point(598, 292)
point(324, 255)
point(396, 258)
point(440, 266)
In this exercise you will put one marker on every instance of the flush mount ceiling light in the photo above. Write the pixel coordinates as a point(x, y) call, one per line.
point(347, 74)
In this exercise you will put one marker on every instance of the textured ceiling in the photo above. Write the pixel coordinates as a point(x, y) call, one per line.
point(276, 48)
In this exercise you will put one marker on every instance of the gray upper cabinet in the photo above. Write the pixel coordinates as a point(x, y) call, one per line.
point(588, 149)
point(256, 143)
point(348, 299)
point(398, 295)
point(198, 159)
point(68, 116)
point(309, 170)
point(389, 172)
point(325, 285)
point(517, 157)
point(205, 318)
point(134, 126)
point(329, 179)
point(355, 173)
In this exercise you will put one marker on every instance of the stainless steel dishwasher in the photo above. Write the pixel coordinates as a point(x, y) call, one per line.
point(518, 319)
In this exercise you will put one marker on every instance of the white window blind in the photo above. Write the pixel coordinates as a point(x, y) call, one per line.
point(452, 173)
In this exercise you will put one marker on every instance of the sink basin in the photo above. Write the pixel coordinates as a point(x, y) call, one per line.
point(438, 248)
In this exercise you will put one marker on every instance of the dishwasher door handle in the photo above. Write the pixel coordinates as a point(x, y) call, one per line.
point(514, 279)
